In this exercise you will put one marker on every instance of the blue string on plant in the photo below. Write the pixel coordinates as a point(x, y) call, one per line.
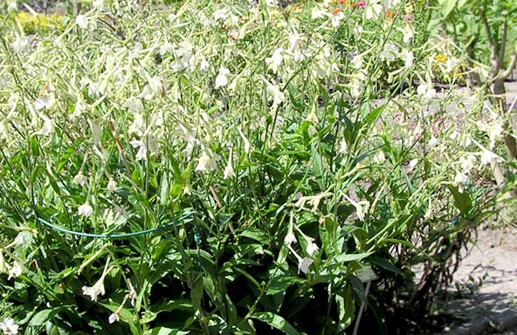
point(114, 236)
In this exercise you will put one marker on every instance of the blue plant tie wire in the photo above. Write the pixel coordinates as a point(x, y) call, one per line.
point(114, 236)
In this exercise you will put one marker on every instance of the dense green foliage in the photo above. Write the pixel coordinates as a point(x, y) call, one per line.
point(304, 143)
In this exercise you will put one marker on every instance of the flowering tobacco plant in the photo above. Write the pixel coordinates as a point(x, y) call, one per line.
point(231, 167)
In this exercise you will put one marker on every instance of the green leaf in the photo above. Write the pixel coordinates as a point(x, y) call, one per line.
point(40, 318)
point(276, 321)
point(165, 331)
point(447, 6)
point(372, 117)
point(255, 234)
point(196, 293)
point(351, 257)
point(164, 191)
point(385, 264)
point(282, 283)
point(462, 201)
point(345, 304)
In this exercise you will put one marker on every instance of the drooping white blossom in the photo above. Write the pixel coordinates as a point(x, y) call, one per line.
point(85, 210)
point(222, 80)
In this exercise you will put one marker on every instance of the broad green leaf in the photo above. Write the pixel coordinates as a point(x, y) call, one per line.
point(165, 331)
point(40, 318)
point(255, 234)
point(276, 321)
point(343, 258)
point(447, 6)
point(462, 200)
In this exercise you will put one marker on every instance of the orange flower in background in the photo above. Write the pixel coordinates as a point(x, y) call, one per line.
point(343, 2)
point(390, 14)
point(335, 11)
point(296, 8)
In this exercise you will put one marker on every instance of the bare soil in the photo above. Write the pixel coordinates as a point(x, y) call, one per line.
point(486, 282)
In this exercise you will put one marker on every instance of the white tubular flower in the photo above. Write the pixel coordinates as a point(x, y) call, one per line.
point(9, 327)
point(373, 11)
point(275, 60)
point(296, 46)
point(494, 130)
point(112, 186)
point(460, 180)
point(47, 128)
point(43, 103)
point(15, 270)
point(3, 265)
point(20, 44)
point(95, 291)
point(134, 105)
point(12, 6)
point(408, 34)
point(336, 19)
point(408, 58)
point(389, 52)
point(153, 88)
point(318, 13)
point(220, 14)
point(85, 210)
point(142, 149)
point(80, 179)
point(313, 200)
point(426, 90)
point(81, 21)
point(304, 263)
point(247, 145)
point(290, 238)
point(343, 147)
point(228, 170)
point(114, 317)
point(207, 161)
point(137, 126)
point(358, 29)
point(488, 157)
point(467, 163)
point(98, 288)
point(360, 207)
point(274, 93)
point(222, 80)
point(204, 65)
point(311, 246)
point(357, 61)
